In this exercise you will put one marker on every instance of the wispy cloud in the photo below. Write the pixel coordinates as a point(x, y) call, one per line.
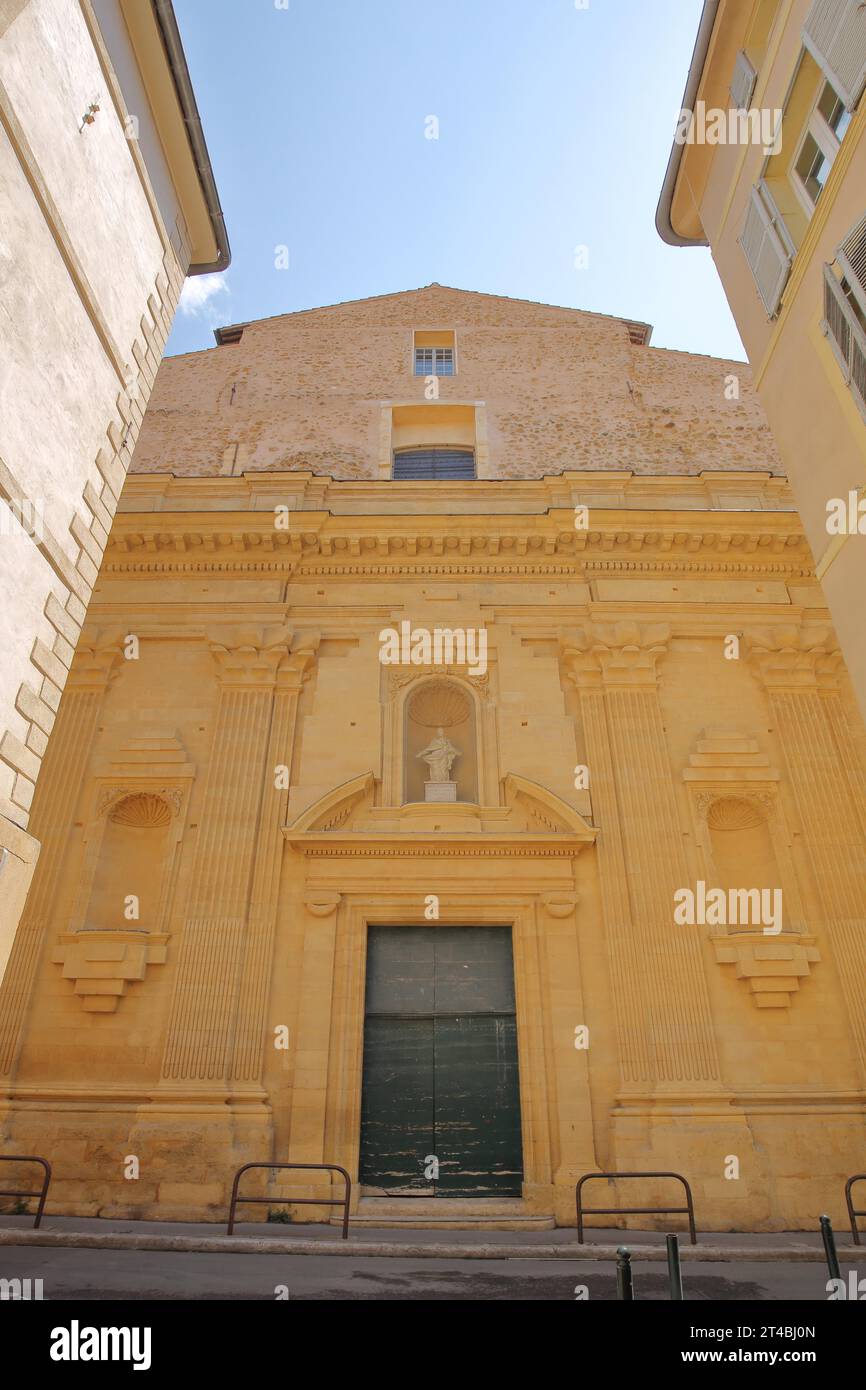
point(198, 295)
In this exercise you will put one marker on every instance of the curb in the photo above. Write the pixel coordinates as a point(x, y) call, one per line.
point(252, 1245)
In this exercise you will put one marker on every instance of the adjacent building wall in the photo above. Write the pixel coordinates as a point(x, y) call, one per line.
point(814, 418)
point(93, 261)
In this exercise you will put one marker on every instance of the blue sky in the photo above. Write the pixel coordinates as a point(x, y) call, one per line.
point(555, 125)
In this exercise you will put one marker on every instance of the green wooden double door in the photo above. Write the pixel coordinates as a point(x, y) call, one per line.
point(441, 1102)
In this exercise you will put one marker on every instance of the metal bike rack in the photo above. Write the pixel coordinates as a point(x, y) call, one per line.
point(582, 1211)
point(294, 1201)
point(29, 1158)
point(849, 1202)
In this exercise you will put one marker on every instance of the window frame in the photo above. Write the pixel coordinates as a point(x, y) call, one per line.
point(828, 142)
point(470, 450)
point(425, 348)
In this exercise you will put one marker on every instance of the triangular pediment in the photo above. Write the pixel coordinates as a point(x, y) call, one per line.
point(447, 306)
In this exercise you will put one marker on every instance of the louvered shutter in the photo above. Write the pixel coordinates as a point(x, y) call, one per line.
point(768, 256)
point(742, 83)
point(835, 35)
point(852, 258)
point(437, 465)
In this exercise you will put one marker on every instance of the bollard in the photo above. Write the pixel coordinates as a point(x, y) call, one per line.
point(830, 1248)
point(624, 1288)
point(674, 1272)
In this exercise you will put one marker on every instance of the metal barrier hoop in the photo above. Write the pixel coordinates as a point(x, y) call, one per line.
point(294, 1201)
point(582, 1211)
point(42, 1194)
point(849, 1202)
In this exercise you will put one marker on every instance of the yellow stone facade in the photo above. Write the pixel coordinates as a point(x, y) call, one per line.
point(785, 289)
point(232, 755)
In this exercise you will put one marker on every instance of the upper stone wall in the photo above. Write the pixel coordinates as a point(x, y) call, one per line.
point(562, 389)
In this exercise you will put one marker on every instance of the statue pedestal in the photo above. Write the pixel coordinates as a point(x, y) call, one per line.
point(440, 791)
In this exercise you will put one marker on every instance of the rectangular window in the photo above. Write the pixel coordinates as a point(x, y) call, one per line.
point(820, 145)
point(434, 464)
point(434, 361)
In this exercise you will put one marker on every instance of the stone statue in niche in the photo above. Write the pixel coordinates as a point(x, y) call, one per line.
point(439, 755)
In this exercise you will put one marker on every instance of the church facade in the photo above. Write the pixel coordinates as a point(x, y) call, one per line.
point(457, 781)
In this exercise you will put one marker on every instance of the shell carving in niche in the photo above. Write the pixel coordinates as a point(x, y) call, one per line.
point(143, 811)
point(439, 705)
point(733, 813)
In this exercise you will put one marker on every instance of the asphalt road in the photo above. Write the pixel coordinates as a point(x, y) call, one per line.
point(76, 1274)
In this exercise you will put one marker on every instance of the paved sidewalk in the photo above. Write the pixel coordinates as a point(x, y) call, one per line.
point(322, 1240)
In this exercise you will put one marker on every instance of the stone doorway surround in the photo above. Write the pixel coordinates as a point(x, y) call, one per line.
point(378, 866)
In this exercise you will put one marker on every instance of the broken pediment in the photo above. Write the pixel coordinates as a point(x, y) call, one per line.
point(533, 820)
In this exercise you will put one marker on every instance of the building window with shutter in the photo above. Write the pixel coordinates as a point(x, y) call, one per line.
point(845, 311)
point(767, 246)
point(434, 464)
point(835, 35)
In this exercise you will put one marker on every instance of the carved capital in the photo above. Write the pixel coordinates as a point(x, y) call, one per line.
point(97, 661)
point(625, 653)
point(793, 657)
point(260, 657)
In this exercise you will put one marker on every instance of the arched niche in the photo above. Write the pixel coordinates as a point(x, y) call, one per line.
point(742, 848)
point(133, 853)
point(434, 705)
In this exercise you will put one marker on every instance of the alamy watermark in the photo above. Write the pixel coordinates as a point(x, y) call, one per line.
point(715, 126)
point(23, 514)
point(441, 646)
point(846, 516)
point(733, 907)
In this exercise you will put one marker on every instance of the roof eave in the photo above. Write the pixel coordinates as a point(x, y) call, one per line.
point(664, 225)
point(165, 17)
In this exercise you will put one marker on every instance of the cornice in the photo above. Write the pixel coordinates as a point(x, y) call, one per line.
point(261, 491)
point(433, 844)
point(320, 544)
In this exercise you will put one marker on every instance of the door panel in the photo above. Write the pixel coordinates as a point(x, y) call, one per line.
point(397, 1130)
point(477, 1107)
point(440, 1062)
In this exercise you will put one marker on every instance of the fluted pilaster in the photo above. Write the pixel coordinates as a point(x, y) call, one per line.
point(210, 967)
point(664, 1024)
point(797, 667)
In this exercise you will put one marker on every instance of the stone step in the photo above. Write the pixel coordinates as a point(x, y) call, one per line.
point(448, 1214)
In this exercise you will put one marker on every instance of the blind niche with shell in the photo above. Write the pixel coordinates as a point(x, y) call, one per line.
point(440, 744)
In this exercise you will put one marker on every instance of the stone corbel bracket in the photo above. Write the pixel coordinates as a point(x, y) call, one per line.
point(773, 966)
point(322, 904)
point(559, 905)
point(101, 964)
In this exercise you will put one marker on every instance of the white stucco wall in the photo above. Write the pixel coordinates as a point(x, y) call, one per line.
point(117, 41)
point(89, 284)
